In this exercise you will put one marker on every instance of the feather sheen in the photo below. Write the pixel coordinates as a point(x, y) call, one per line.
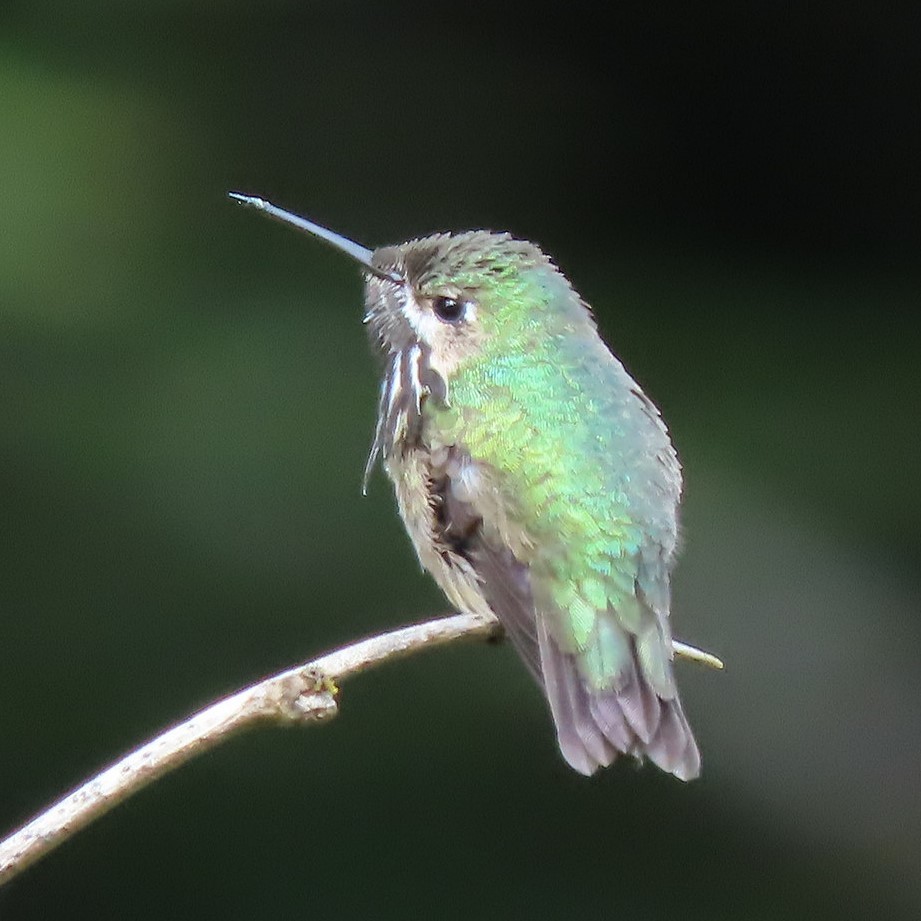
point(550, 500)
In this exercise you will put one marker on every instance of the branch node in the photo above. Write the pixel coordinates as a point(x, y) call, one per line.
point(306, 696)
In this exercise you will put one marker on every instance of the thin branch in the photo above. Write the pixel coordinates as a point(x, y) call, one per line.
point(304, 694)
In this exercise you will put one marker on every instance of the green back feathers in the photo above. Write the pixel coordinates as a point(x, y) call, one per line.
point(582, 460)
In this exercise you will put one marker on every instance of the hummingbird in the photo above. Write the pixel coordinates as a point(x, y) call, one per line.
point(537, 481)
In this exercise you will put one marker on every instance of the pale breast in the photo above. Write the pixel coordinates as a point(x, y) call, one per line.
point(414, 478)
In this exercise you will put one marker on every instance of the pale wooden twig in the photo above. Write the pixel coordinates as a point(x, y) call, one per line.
point(304, 694)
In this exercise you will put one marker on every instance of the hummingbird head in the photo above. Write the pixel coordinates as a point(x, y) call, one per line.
point(438, 303)
point(442, 300)
point(454, 297)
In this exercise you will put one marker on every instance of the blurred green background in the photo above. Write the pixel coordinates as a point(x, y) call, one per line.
point(187, 398)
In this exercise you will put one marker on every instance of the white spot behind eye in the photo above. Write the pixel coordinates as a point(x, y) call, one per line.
point(420, 319)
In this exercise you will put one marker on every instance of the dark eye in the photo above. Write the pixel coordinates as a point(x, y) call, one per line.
point(449, 309)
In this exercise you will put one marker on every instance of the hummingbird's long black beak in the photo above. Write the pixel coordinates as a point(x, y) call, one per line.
point(361, 254)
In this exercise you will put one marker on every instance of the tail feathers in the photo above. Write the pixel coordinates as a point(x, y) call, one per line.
point(594, 728)
point(582, 740)
point(673, 747)
point(639, 704)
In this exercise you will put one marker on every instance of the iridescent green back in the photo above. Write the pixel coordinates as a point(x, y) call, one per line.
point(584, 465)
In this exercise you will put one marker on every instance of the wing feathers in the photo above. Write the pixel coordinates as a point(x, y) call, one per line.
point(614, 697)
point(504, 582)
